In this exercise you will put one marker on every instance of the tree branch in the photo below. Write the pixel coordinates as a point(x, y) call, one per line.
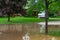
point(51, 2)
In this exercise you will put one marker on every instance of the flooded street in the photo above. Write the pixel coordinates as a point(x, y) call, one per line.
point(17, 31)
point(10, 36)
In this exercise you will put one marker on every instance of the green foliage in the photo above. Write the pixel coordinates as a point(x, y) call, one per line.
point(54, 6)
point(36, 6)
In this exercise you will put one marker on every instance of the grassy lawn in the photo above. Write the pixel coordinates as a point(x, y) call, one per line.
point(56, 17)
point(23, 20)
point(20, 20)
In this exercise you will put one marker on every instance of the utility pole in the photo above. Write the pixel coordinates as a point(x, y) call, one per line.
point(46, 17)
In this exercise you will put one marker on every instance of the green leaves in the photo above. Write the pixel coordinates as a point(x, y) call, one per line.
point(54, 7)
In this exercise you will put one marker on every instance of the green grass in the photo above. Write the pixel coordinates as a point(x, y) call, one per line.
point(20, 20)
point(15, 20)
point(56, 17)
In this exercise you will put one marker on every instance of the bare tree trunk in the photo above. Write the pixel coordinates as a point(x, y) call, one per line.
point(46, 16)
point(8, 17)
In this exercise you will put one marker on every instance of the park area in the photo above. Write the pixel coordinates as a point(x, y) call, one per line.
point(29, 19)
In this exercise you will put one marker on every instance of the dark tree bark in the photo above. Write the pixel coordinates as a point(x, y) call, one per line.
point(8, 17)
point(46, 17)
point(8, 11)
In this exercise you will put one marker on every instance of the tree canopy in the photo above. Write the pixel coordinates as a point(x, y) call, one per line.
point(54, 6)
point(12, 6)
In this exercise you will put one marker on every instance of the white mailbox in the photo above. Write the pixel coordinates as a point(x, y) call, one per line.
point(41, 15)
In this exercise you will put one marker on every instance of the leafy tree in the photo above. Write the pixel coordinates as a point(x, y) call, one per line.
point(54, 6)
point(12, 6)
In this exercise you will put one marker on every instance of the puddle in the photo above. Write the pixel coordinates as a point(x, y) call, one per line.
point(17, 31)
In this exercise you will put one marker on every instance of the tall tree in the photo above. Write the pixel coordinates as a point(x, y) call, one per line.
point(12, 6)
point(54, 6)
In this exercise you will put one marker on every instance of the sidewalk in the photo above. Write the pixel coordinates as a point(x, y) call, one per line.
point(50, 23)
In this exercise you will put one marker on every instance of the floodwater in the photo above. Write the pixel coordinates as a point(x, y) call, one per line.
point(17, 31)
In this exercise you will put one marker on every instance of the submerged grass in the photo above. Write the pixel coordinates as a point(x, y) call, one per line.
point(54, 32)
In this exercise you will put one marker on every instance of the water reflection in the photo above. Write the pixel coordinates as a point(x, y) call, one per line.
point(17, 31)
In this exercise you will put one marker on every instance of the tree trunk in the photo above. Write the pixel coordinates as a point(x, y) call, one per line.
point(8, 17)
point(46, 17)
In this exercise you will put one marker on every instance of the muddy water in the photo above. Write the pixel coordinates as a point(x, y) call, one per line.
point(16, 31)
point(10, 32)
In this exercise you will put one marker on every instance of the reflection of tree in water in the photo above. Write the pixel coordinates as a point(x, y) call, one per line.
point(16, 31)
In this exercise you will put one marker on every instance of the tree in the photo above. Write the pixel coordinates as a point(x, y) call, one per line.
point(12, 6)
point(54, 6)
point(37, 6)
